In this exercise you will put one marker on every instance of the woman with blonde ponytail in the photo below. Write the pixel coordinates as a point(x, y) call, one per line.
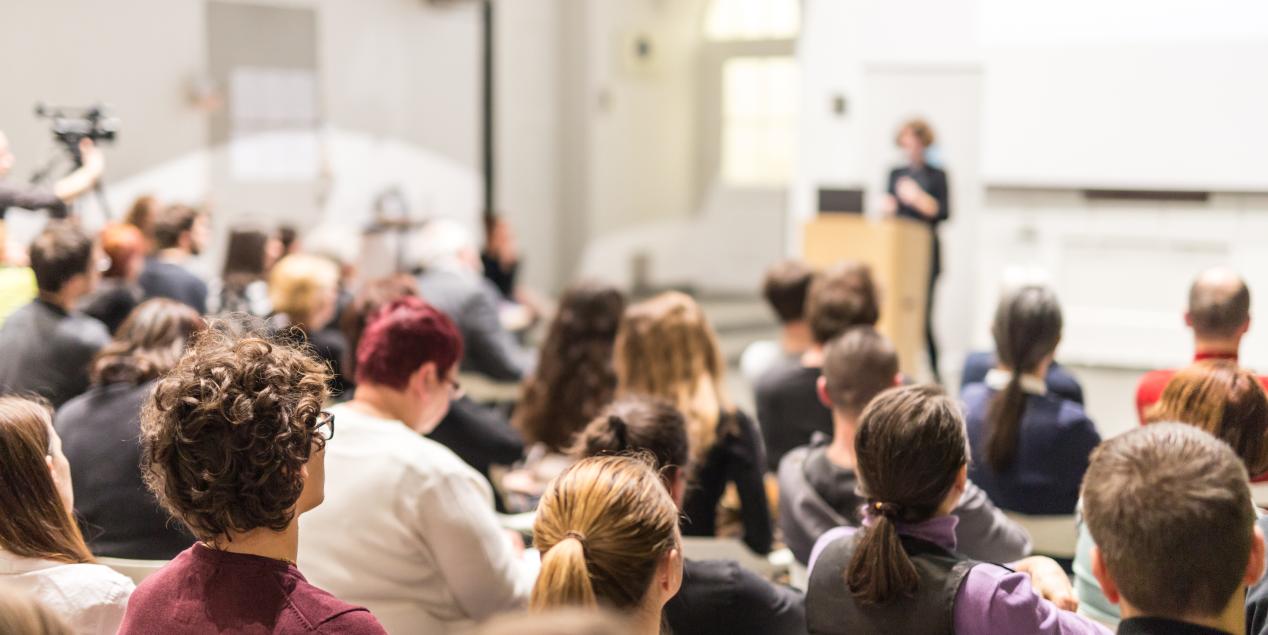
point(900, 573)
point(666, 348)
point(608, 534)
point(1030, 446)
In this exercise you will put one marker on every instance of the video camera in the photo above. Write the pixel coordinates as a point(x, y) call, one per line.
point(72, 124)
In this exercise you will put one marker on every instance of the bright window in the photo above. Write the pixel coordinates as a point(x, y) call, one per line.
point(753, 19)
point(759, 120)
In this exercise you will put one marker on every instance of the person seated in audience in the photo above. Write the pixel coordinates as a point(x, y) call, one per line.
point(47, 344)
point(608, 534)
point(573, 381)
point(41, 549)
point(233, 442)
point(561, 622)
point(1216, 396)
point(408, 528)
point(818, 484)
point(142, 214)
point(788, 405)
point(303, 290)
point(717, 596)
point(1030, 447)
point(901, 572)
point(451, 281)
point(22, 614)
point(784, 289)
point(480, 436)
point(1060, 381)
point(180, 233)
point(1219, 314)
point(500, 256)
point(1176, 541)
point(666, 348)
point(101, 429)
point(118, 292)
point(242, 287)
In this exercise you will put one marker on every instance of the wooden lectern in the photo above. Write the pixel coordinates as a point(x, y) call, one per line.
point(898, 251)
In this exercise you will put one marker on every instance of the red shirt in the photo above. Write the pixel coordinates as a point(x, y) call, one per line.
point(1149, 391)
point(207, 591)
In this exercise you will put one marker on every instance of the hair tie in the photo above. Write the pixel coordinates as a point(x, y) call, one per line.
point(619, 432)
point(578, 536)
point(888, 510)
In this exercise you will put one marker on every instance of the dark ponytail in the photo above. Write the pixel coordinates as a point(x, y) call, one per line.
point(1027, 328)
point(910, 447)
point(637, 424)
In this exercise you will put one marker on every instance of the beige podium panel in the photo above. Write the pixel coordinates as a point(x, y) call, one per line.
point(898, 251)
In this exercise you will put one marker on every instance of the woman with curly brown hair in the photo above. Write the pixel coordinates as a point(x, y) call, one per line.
point(666, 348)
point(41, 549)
point(574, 377)
point(100, 431)
point(233, 445)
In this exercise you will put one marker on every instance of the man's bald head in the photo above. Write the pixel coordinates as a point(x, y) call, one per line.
point(1219, 304)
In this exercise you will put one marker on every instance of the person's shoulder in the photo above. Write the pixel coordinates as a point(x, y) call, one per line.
point(787, 376)
point(328, 614)
point(93, 582)
point(975, 394)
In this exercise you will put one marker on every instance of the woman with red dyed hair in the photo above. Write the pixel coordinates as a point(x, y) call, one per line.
point(407, 528)
point(118, 291)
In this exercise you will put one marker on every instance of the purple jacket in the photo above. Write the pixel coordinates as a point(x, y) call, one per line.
point(992, 599)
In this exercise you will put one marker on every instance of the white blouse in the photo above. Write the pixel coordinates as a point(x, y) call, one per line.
point(408, 530)
point(90, 597)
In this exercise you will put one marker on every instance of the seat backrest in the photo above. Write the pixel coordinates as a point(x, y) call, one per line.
point(1055, 536)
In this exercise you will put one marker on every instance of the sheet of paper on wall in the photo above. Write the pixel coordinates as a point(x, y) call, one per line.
point(274, 124)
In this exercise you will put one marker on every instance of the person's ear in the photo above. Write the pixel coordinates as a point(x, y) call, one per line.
point(821, 389)
point(669, 574)
point(962, 478)
point(1188, 319)
point(1102, 575)
point(678, 487)
point(1245, 326)
point(423, 378)
point(898, 379)
point(1255, 565)
point(48, 459)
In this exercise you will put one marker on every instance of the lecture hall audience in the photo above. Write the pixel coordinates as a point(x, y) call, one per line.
point(1219, 315)
point(1030, 447)
point(788, 405)
point(666, 348)
point(608, 534)
point(717, 596)
point(407, 528)
point(48, 344)
point(41, 549)
point(101, 430)
point(818, 483)
point(900, 572)
point(234, 444)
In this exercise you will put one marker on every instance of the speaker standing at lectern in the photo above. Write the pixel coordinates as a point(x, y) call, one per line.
point(919, 191)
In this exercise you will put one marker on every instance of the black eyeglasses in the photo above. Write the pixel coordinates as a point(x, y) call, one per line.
point(324, 425)
point(455, 387)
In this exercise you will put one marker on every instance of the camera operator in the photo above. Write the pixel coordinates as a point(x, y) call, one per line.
point(64, 191)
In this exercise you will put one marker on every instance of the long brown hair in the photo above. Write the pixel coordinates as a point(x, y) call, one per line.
point(602, 528)
point(910, 447)
point(34, 521)
point(1226, 401)
point(148, 343)
point(666, 348)
point(1027, 328)
point(574, 378)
